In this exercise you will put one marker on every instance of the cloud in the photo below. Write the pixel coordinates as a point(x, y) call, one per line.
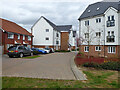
point(27, 12)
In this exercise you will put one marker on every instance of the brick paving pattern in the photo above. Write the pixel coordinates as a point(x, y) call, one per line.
point(50, 66)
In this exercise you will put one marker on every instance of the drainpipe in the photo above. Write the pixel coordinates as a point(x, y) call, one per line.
point(53, 39)
point(104, 34)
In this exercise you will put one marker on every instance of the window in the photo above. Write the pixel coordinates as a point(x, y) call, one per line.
point(86, 49)
point(20, 47)
point(57, 35)
point(98, 8)
point(111, 38)
point(57, 42)
point(87, 23)
point(9, 45)
point(111, 49)
point(18, 36)
point(111, 21)
point(112, 33)
point(47, 30)
point(89, 11)
point(86, 35)
point(98, 20)
point(46, 38)
point(112, 18)
point(98, 34)
point(29, 38)
point(108, 33)
point(108, 18)
point(10, 35)
point(97, 48)
point(23, 37)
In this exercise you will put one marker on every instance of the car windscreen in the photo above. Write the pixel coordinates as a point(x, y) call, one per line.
point(12, 48)
point(47, 48)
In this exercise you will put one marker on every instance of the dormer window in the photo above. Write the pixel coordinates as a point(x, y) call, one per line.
point(89, 10)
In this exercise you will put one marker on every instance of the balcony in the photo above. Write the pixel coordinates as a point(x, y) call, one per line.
point(111, 38)
point(111, 23)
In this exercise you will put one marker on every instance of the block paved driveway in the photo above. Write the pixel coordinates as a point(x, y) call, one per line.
point(50, 66)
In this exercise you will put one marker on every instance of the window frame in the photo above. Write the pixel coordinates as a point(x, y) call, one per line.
point(111, 49)
point(86, 49)
point(12, 37)
point(98, 48)
point(47, 38)
point(47, 30)
point(18, 36)
point(23, 37)
point(29, 38)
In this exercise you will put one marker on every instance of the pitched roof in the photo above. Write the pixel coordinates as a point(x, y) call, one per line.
point(98, 9)
point(51, 23)
point(64, 27)
point(59, 27)
point(9, 26)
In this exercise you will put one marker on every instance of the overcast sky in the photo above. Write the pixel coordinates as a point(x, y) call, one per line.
point(60, 12)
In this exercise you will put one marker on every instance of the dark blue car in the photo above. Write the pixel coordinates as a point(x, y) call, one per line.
point(38, 51)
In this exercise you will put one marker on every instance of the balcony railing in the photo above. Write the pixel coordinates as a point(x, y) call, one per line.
point(110, 23)
point(111, 38)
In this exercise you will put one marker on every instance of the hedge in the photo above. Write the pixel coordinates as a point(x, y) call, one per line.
point(111, 65)
point(62, 51)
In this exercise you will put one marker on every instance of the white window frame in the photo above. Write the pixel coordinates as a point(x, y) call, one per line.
point(85, 49)
point(23, 37)
point(98, 20)
point(11, 37)
point(18, 36)
point(98, 34)
point(99, 48)
point(29, 38)
point(111, 49)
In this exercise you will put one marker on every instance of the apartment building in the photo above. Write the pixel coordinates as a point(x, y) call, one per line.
point(99, 27)
point(47, 34)
point(13, 34)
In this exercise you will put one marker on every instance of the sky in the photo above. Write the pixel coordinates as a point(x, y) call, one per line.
point(26, 12)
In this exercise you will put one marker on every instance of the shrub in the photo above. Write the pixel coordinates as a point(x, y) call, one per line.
point(112, 65)
point(73, 50)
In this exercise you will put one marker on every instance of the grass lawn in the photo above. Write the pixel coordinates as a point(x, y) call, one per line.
point(31, 57)
point(96, 79)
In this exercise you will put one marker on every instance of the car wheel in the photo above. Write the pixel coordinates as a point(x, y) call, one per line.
point(10, 56)
point(21, 55)
point(31, 54)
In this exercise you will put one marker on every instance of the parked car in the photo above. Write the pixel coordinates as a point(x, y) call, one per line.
point(48, 51)
point(38, 51)
point(51, 50)
point(19, 51)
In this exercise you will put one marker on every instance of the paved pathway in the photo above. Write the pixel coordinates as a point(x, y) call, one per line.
point(50, 66)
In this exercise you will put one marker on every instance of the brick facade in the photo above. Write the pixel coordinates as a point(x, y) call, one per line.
point(64, 40)
point(101, 53)
point(0, 37)
point(6, 40)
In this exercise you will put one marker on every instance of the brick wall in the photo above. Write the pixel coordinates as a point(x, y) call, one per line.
point(64, 40)
point(6, 40)
point(92, 51)
point(0, 37)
